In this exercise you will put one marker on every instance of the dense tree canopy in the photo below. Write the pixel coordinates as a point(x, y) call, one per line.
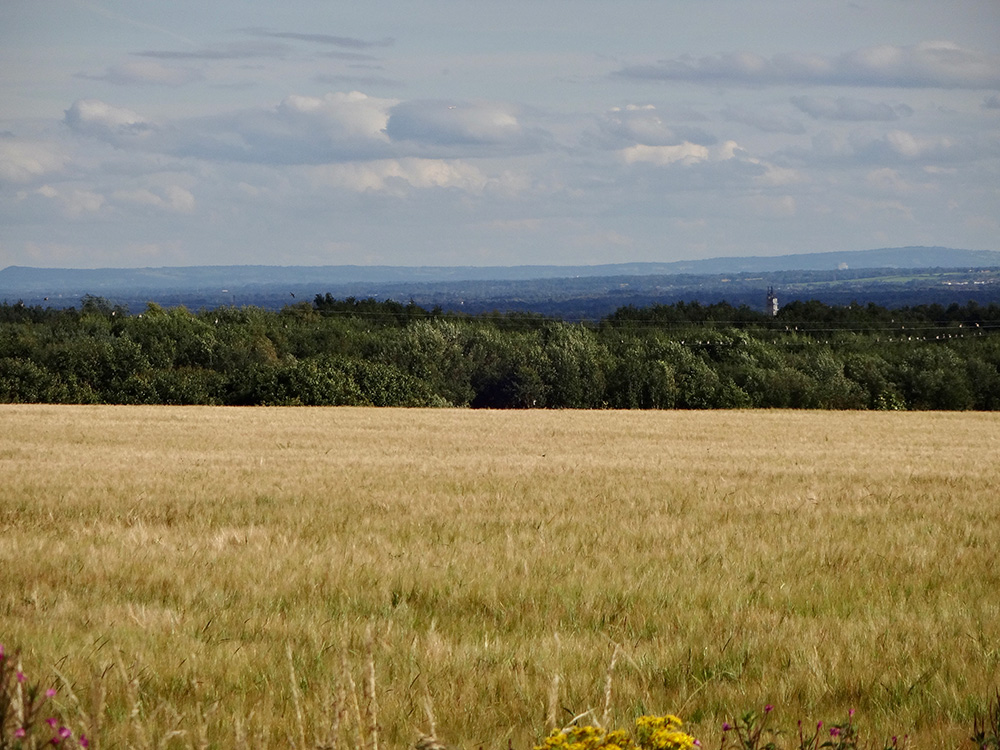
point(370, 352)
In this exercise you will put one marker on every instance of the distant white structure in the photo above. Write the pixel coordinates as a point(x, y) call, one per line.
point(772, 302)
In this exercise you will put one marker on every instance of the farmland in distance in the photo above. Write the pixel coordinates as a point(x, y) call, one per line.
point(815, 561)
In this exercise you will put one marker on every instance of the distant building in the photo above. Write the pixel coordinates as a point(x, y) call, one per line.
point(772, 302)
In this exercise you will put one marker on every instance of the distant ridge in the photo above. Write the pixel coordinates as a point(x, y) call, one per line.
point(891, 277)
point(27, 281)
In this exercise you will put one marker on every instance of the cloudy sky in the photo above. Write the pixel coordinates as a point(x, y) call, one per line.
point(493, 132)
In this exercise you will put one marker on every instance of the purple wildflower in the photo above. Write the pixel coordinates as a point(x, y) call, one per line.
point(835, 732)
point(768, 708)
point(726, 726)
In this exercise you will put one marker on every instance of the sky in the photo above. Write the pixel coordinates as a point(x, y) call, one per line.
point(493, 133)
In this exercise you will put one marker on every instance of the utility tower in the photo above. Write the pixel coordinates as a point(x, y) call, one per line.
point(772, 302)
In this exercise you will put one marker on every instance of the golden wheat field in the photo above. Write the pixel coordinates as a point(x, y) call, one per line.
point(220, 577)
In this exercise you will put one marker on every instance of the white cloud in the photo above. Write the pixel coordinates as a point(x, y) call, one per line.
point(910, 146)
point(443, 123)
point(23, 161)
point(350, 115)
point(642, 124)
point(390, 175)
point(775, 176)
point(101, 120)
point(639, 124)
point(685, 153)
point(298, 130)
point(932, 64)
point(72, 201)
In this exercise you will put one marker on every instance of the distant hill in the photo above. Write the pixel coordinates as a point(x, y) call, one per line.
point(29, 280)
point(584, 291)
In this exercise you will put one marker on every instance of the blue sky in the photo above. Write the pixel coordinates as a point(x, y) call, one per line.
point(314, 132)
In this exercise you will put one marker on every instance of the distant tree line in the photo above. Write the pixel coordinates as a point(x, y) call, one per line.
point(385, 353)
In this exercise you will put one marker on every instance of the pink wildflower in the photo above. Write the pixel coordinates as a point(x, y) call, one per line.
point(835, 732)
point(50, 693)
point(768, 708)
point(19, 732)
point(21, 677)
point(51, 721)
point(84, 742)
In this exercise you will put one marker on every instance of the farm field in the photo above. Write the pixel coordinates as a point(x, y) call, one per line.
point(172, 557)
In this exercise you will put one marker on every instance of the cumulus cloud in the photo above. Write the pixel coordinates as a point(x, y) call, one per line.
point(442, 123)
point(23, 161)
point(351, 115)
point(145, 73)
point(388, 175)
point(298, 130)
point(337, 127)
point(936, 152)
point(846, 108)
point(933, 64)
point(723, 163)
point(639, 124)
point(644, 124)
point(73, 201)
point(684, 154)
point(901, 144)
point(101, 120)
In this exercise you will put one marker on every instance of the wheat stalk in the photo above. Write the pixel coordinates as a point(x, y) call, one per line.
point(552, 715)
point(299, 719)
point(356, 705)
point(370, 691)
point(606, 715)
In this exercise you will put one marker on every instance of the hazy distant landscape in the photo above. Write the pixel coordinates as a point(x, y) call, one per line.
point(891, 277)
